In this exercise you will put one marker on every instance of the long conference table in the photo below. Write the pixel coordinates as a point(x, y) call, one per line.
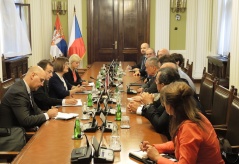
point(53, 142)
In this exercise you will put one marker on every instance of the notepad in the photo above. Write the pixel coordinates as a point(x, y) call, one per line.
point(142, 156)
point(79, 103)
point(65, 116)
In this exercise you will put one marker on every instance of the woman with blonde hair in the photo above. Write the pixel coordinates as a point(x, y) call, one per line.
point(72, 75)
point(194, 140)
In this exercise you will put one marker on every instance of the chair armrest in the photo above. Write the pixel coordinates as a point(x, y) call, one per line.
point(220, 126)
point(235, 147)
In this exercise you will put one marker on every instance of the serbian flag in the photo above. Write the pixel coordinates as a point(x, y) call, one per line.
point(58, 43)
point(76, 43)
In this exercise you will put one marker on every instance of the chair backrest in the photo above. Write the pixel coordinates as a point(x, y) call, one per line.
point(222, 99)
point(5, 85)
point(232, 128)
point(228, 67)
point(206, 94)
point(188, 69)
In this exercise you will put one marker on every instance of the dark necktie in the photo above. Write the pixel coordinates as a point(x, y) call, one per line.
point(30, 95)
point(143, 63)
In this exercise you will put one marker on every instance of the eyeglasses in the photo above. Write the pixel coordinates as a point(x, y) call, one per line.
point(67, 63)
point(41, 79)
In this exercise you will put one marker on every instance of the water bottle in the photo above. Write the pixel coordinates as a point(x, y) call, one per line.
point(89, 100)
point(77, 128)
point(98, 84)
point(115, 139)
point(118, 113)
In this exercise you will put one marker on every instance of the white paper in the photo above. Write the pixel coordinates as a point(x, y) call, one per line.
point(65, 116)
point(89, 84)
point(79, 103)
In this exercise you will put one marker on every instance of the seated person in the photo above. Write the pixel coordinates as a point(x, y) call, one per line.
point(18, 106)
point(182, 74)
point(41, 96)
point(152, 68)
point(193, 137)
point(153, 110)
point(58, 86)
point(72, 76)
point(142, 72)
point(178, 59)
point(169, 61)
point(140, 65)
point(162, 52)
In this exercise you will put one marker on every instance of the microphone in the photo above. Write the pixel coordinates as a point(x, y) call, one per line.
point(82, 154)
point(130, 91)
point(91, 126)
point(87, 141)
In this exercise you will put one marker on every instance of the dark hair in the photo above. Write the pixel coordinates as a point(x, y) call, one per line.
point(59, 64)
point(179, 96)
point(178, 58)
point(166, 58)
point(43, 63)
point(168, 75)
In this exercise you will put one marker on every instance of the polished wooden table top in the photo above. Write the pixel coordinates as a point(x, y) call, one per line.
point(53, 144)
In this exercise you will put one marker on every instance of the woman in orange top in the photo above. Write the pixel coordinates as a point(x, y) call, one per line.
point(194, 140)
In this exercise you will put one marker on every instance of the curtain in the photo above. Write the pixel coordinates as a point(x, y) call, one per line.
point(14, 38)
point(224, 26)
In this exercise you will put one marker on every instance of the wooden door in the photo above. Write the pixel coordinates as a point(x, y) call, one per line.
point(116, 29)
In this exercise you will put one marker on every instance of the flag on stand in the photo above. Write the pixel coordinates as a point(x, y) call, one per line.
point(76, 43)
point(58, 43)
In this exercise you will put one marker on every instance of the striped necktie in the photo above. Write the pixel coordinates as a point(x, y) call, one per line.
point(30, 95)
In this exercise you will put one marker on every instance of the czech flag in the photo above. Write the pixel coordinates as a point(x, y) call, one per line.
point(76, 43)
point(58, 43)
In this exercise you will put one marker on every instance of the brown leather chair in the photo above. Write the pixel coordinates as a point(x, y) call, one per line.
point(206, 94)
point(232, 128)
point(222, 99)
point(232, 132)
point(207, 75)
point(5, 85)
point(188, 69)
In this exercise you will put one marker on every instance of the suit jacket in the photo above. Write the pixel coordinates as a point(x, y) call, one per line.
point(42, 98)
point(150, 86)
point(69, 77)
point(158, 117)
point(57, 88)
point(139, 65)
point(17, 109)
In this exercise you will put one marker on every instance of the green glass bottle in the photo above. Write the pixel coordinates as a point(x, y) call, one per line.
point(77, 128)
point(89, 100)
point(118, 113)
point(97, 84)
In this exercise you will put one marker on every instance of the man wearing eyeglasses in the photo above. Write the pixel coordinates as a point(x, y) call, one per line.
point(18, 107)
point(41, 96)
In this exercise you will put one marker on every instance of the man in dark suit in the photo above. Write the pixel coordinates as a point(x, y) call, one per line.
point(140, 65)
point(152, 68)
point(18, 106)
point(41, 96)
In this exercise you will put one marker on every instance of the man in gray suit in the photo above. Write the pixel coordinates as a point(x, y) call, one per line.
point(18, 107)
